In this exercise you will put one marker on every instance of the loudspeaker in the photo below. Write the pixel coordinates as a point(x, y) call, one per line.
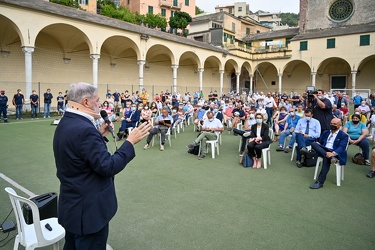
point(47, 205)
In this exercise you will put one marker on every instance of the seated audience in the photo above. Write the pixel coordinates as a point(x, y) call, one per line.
point(245, 133)
point(290, 125)
point(332, 148)
point(238, 115)
point(258, 140)
point(129, 120)
point(307, 131)
point(162, 124)
point(280, 120)
point(146, 114)
point(210, 130)
point(111, 115)
point(358, 132)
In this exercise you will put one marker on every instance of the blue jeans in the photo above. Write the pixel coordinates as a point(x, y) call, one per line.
point(284, 135)
point(34, 111)
point(19, 111)
point(3, 110)
point(364, 145)
point(269, 114)
point(302, 142)
point(47, 107)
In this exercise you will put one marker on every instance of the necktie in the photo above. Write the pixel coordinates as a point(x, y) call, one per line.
point(307, 127)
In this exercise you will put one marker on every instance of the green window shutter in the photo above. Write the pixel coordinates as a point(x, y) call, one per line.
point(364, 40)
point(331, 43)
point(175, 2)
point(163, 12)
point(150, 9)
point(186, 2)
point(303, 45)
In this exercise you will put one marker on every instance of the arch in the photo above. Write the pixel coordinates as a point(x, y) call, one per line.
point(120, 47)
point(10, 34)
point(247, 66)
point(232, 63)
point(213, 60)
point(366, 73)
point(265, 77)
point(188, 58)
point(330, 68)
point(296, 75)
point(156, 51)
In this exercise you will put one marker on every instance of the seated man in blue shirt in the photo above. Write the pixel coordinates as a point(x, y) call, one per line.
point(307, 131)
point(162, 124)
point(129, 120)
point(332, 148)
point(290, 125)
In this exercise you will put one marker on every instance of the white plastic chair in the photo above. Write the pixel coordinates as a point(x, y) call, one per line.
point(294, 149)
point(34, 235)
point(214, 144)
point(167, 137)
point(266, 152)
point(339, 171)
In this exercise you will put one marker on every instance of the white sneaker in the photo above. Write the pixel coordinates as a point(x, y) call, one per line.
point(161, 147)
point(147, 146)
point(246, 134)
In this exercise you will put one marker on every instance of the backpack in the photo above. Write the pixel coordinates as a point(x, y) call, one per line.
point(358, 159)
point(194, 151)
point(311, 158)
point(247, 161)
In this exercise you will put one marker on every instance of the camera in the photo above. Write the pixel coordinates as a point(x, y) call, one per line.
point(310, 92)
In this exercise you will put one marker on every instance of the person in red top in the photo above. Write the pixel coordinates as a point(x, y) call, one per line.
point(345, 113)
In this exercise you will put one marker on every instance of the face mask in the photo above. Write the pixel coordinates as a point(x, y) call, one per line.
point(146, 108)
point(215, 110)
point(127, 106)
point(292, 113)
point(20, 93)
point(333, 127)
point(363, 105)
point(2, 93)
point(251, 116)
point(308, 118)
point(355, 122)
point(34, 93)
point(174, 111)
point(320, 97)
point(134, 108)
point(260, 108)
point(259, 121)
point(211, 119)
point(105, 105)
point(357, 113)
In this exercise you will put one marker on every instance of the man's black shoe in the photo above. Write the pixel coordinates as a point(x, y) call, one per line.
point(304, 151)
point(286, 149)
point(299, 164)
point(334, 160)
point(316, 185)
point(280, 149)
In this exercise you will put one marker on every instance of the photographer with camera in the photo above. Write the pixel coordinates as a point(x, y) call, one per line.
point(322, 108)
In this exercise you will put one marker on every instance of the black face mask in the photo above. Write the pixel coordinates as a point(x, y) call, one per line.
point(355, 122)
point(333, 127)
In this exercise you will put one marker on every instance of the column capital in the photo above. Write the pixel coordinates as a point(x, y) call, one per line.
point(280, 74)
point(141, 62)
point(94, 56)
point(238, 73)
point(28, 49)
point(313, 73)
point(354, 72)
point(221, 71)
point(200, 69)
point(174, 66)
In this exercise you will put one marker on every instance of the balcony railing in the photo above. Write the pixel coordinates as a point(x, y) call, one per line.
point(170, 4)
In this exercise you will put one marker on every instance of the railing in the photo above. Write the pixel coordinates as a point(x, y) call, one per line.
point(170, 4)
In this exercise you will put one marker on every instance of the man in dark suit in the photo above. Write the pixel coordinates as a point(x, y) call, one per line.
point(86, 169)
point(130, 120)
point(332, 148)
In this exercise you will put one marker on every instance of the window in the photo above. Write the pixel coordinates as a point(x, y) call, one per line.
point(364, 40)
point(247, 31)
point(221, 10)
point(230, 10)
point(172, 13)
point(128, 2)
point(287, 41)
point(331, 43)
point(85, 2)
point(151, 9)
point(186, 2)
point(303, 45)
point(175, 2)
point(233, 27)
point(163, 12)
point(239, 8)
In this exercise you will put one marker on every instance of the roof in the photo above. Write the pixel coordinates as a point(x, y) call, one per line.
point(68, 12)
point(272, 34)
point(336, 31)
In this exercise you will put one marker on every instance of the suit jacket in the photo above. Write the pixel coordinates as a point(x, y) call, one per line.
point(264, 132)
point(134, 118)
point(86, 172)
point(339, 145)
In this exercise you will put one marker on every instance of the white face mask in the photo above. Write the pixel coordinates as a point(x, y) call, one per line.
point(308, 118)
point(211, 119)
point(34, 93)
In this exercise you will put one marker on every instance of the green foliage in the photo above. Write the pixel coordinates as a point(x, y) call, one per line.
point(289, 18)
point(180, 20)
point(198, 10)
point(70, 3)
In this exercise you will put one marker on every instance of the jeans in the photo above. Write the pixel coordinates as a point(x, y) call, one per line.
point(269, 114)
point(34, 111)
point(243, 142)
point(154, 131)
point(364, 145)
point(302, 142)
point(19, 111)
point(284, 135)
point(47, 107)
point(3, 111)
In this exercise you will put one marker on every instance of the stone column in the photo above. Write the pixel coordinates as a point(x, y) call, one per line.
point(354, 78)
point(175, 67)
point(221, 72)
point(28, 70)
point(200, 71)
point(251, 83)
point(95, 60)
point(280, 81)
point(313, 78)
point(141, 64)
point(238, 82)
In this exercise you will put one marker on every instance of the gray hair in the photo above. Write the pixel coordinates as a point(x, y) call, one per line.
point(80, 91)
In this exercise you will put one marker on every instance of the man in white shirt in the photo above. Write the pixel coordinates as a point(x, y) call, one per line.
point(210, 130)
point(269, 104)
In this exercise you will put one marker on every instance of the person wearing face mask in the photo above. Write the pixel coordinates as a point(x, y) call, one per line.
point(357, 111)
point(210, 130)
point(322, 108)
point(129, 120)
point(3, 105)
point(290, 124)
point(146, 114)
point(245, 133)
point(86, 170)
point(111, 115)
point(332, 148)
point(269, 103)
point(357, 99)
point(280, 120)
point(307, 131)
point(144, 96)
point(259, 139)
point(217, 113)
point(263, 111)
point(365, 109)
point(60, 103)
point(47, 103)
point(18, 101)
point(34, 103)
point(358, 133)
point(162, 123)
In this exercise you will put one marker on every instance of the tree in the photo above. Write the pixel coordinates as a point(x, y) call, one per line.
point(290, 19)
point(70, 3)
point(198, 10)
point(154, 21)
point(180, 20)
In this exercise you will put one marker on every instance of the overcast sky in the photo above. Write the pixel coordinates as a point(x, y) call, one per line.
point(255, 5)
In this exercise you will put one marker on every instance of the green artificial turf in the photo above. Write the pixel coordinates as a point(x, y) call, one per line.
point(172, 200)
